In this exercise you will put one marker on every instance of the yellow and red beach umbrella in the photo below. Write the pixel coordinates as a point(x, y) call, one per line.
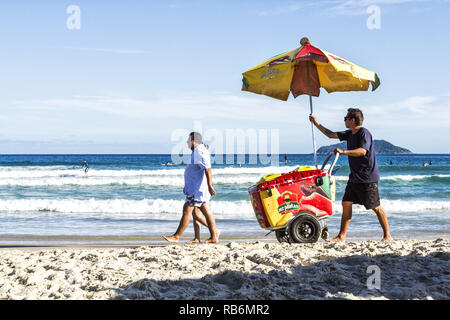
point(304, 71)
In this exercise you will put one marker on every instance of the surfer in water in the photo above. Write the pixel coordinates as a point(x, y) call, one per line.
point(85, 166)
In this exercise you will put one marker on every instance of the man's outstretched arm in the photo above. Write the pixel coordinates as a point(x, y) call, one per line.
point(330, 134)
point(359, 152)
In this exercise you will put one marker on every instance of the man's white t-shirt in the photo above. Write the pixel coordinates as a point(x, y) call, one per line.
point(195, 183)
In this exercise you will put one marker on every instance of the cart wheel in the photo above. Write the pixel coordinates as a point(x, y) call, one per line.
point(282, 236)
point(305, 229)
point(324, 234)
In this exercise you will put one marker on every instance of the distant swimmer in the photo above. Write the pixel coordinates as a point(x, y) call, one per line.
point(285, 158)
point(85, 166)
point(425, 164)
point(169, 164)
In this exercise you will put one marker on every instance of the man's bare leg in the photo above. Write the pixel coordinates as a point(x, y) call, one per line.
point(198, 215)
point(345, 221)
point(211, 223)
point(382, 218)
point(198, 221)
point(196, 233)
point(184, 222)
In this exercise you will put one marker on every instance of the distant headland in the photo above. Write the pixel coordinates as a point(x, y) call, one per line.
point(381, 147)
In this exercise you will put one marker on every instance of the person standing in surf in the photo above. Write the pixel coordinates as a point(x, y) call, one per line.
point(362, 185)
point(85, 166)
point(198, 188)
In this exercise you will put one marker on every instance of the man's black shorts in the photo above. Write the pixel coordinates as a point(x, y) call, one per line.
point(363, 193)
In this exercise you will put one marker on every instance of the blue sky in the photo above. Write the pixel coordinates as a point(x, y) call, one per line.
point(138, 71)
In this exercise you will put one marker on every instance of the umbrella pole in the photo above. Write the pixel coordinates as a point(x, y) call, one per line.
point(313, 135)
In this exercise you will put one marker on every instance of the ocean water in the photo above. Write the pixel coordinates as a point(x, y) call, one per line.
point(48, 198)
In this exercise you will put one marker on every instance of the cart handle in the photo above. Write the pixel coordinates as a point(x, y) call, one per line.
point(333, 163)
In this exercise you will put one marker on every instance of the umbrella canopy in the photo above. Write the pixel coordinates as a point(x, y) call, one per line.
point(303, 71)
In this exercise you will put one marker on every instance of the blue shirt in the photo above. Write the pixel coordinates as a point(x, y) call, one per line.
point(195, 183)
point(362, 169)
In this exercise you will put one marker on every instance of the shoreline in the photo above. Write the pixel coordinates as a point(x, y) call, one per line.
point(7, 242)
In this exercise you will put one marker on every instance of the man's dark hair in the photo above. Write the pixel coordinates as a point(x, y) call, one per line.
point(356, 114)
point(196, 137)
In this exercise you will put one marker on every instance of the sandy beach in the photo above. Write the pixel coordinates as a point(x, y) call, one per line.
point(407, 269)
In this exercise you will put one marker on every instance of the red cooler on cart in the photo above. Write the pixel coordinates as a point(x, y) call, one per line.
point(295, 204)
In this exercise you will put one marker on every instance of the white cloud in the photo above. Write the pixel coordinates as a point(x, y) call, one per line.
point(427, 110)
point(291, 7)
point(334, 7)
point(192, 106)
point(226, 106)
point(130, 120)
point(358, 7)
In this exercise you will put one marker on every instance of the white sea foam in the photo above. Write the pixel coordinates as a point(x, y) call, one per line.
point(124, 208)
point(7, 172)
point(59, 176)
point(35, 168)
point(414, 177)
point(81, 180)
point(168, 177)
point(162, 209)
point(402, 178)
point(404, 206)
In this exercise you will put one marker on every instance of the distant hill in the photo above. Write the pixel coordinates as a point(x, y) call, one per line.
point(381, 147)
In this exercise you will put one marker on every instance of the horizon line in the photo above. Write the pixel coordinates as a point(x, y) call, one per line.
point(169, 154)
